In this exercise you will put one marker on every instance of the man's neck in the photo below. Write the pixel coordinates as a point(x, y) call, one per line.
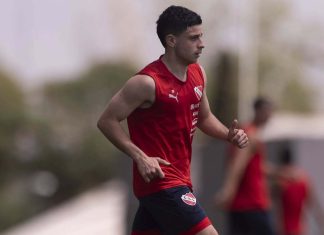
point(258, 123)
point(178, 69)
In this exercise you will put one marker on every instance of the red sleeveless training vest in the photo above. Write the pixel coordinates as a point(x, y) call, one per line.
point(293, 195)
point(166, 129)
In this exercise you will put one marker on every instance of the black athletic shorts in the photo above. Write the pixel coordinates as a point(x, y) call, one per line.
point(173, 211)
point(257, 222)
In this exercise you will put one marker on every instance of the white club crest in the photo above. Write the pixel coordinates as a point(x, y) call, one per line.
point(198, 91)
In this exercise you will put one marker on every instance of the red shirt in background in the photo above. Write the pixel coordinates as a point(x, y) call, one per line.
point(293, 190)
point(252, 193)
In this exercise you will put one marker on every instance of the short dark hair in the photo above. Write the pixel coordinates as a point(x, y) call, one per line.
point(174, 20)
point(260, 102)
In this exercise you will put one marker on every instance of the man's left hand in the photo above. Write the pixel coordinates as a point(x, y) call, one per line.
point(237, 136)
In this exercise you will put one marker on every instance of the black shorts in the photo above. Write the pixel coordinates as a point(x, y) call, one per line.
point(173, 211)
point(257, 222)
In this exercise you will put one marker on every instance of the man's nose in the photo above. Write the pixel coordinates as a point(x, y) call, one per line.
point(201, 44)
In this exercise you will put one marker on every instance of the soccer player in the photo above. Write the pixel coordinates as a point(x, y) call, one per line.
point(164, 103)
point(245, 193)
point(294, 195)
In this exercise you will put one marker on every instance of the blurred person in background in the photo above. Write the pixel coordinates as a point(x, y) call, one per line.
point(293, 194)
point(164, 104)
point(245, 192)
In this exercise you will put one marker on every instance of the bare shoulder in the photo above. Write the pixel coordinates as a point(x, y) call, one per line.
point(141, 87)
point(140, 83)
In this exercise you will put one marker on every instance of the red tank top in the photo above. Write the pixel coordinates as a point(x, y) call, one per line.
point(293, 194)
point(166, 129)
point(252, 193)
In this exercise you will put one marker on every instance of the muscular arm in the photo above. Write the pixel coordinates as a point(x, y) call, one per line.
point(314, 203)
point(120, 106)
point(234, 175)
point(139, 91)
point(211, 126)
point(207, 122)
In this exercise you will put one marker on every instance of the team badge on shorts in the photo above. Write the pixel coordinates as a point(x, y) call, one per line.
point(189, 199)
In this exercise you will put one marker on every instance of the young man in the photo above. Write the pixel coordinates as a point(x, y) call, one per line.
point(245, 193)
point(294, 194)
point(164, 104)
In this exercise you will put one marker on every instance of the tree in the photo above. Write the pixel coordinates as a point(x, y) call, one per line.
point(281, 58)
point(72, 108)
point(12, 118)
point(53, 151)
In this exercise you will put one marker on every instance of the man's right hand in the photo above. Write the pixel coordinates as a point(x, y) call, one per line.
point(149, 168)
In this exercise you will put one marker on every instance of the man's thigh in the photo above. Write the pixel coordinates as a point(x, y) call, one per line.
point(144, 224)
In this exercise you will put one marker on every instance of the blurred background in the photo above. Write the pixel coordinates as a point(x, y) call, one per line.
point(61, 61)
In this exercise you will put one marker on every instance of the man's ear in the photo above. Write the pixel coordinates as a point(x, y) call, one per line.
point(170, 40)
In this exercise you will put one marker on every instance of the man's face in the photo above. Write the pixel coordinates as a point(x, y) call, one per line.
point(189, 45)
point(265, 113)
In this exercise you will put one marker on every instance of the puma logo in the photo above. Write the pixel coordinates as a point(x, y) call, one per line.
point(172, 96)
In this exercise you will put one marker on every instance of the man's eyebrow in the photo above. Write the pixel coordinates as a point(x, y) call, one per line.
point(196, 35)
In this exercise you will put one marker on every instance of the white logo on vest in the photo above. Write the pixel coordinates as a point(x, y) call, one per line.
point(198, 91)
